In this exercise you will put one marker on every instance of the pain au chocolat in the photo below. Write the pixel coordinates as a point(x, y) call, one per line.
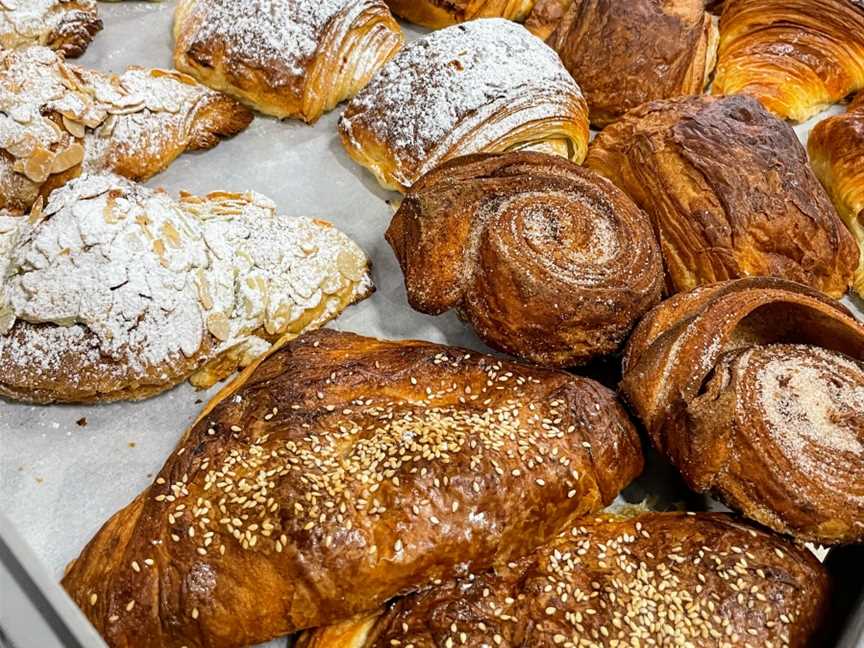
point(343, 471)
point(754, 390)
point(546, 260)
point(287, 58)
point(67, 26)
point(644, 579)
point(436, 14)
point(797, 57)
point(729, 191)
point(115, 291)
point(485, 86)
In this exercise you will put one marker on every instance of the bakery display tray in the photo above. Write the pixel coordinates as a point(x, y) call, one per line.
point(64, 470)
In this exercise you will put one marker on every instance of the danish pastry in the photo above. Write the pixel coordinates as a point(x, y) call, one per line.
point(546, 260)
point(729, 191)
point(443, 13)
point(57, 120)
point(287, 58)
point(484, 86)
point(754, 389)
point(797, 57)
point(341, 472)
point(115, 291)
point(67, 26)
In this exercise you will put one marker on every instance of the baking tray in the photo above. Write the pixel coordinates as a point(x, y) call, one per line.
point(65, 469)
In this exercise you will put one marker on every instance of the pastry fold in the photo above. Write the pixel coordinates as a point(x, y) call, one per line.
point(57, 120)
point(624, 54)
point(836, 147)
point(115, 291)
point(486, 86)
point(287, 58)
point(545, 15)
point(436, 14)
point(730, 193)
point(343, 471)
point(796, 56)
point(754, 389)
point(609, 581)
point(546, 260)
point(67, 26)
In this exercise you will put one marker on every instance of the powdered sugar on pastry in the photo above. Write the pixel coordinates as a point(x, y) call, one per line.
point(66, 24)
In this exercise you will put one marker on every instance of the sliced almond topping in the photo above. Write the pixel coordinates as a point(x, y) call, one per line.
point(36, 210)
point(219, 326)
point(7, 320)
point(37, 167)
point(69, 158)
point(350, 265)
point(204, 290)
point(171, 234)
point(75, 129)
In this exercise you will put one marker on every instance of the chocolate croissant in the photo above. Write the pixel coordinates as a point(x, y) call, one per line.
point(754, 389)
point(67, 26)
point(436, 14)
point(836, 147)
point(287, 58)
point(341, 472)
point(624, 54)
point(796, 57)
point(57, 120)
point(546, 260)
point(483, 86)
point(650, 579)
point(115, 291)
point(729, 191)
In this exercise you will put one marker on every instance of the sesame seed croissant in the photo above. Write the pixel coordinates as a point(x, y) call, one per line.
point(343, 471)
point(67, 26)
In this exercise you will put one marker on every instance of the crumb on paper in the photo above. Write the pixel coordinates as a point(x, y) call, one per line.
point(132, 444)
point(82, 422)
point(198, 401)
point(40, 480)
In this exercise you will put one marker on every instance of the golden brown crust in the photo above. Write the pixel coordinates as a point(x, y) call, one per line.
point(728, 393)
point(796, 56)
point(67, 26)
point(287, 58)
point(729, 191)
point(344, 471)
point(703, 580)
point(546, 260)
point(545, 15)
point(624, 54)
point(836, 147)
point(436, 14)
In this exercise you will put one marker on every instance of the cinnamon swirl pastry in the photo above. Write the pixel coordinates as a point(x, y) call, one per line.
point(797, 57)
point(729, 191)
point(67, 26)
point(483, 86)
point(836, 147)
point(546, 260)
point(754, 389)
point(342, 472)
point(436, 14)
point(57, 120)
point(607, 581)
point(627, 53)
point(287, 58)
point(115, 291)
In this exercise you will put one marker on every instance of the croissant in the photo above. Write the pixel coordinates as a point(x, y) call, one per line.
point(57, 120)
point(287, 58)
point(116, 291)
point(754, 389)
point(545, 15)
point(660, 579)
point(484, 86)
point(796, 56)
point(436, 14)
point(624, 54)
point(341, 472)
point(836, 147)
point(729, 191)
point(546, 260)
point(67, 26)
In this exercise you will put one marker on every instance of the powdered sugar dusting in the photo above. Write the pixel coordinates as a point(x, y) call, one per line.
point(32, 21)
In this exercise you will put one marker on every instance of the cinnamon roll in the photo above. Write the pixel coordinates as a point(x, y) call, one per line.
point(67, 26)
point(443, 13)
point(546, 260)
point(754, 389)
point(729, 191)
point(624, 54)
point(836, 147)
point(796, 57)
point(483, 86)
point(287, 58)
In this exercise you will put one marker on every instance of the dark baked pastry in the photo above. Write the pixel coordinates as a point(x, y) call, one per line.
point(546, 260)
point(624, 54)
point(660, 579)
point(754, 389)
point(443, 13)
point(729, 191)
point(797, 57)
point(341, 472)
point(67, 26)
point(545, 15)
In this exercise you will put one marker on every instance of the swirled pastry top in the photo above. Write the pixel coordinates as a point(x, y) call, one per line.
point(115, 285)
point(484, 86)
point(64, 25)
point(436, 14)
